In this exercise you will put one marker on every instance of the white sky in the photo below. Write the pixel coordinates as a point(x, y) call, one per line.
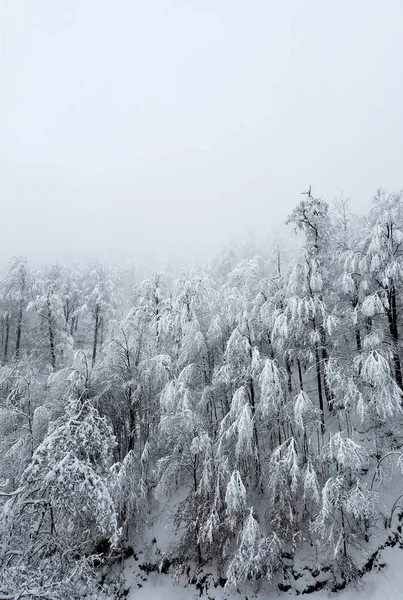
point(140, 127)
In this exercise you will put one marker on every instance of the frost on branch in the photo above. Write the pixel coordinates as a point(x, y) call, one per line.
point(257, 556)
point(64, 504)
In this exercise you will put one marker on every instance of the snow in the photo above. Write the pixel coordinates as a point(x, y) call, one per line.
point(379, 584)
point(383, 584)
point(161, 587)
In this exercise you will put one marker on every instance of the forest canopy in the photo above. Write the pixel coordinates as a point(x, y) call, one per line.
point(259, 395)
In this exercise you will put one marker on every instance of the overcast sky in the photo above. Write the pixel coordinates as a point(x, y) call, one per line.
point(135, 127)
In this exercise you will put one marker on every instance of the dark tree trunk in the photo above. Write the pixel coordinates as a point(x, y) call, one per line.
point(132, 420)
point(392, 318)
point(354, 303)
point(7, 336)
point(19, 329)
point(67, 311)
point(255, 433)
point(72, 324)
point(319, 383)
point(325, 356)
point(358, 338)
point(101, 329)
point(96, 332)
point(51, 335)
point(22, 292)
point(289, 375)
point(253, 410)
point(301, 383)
point(197, 528)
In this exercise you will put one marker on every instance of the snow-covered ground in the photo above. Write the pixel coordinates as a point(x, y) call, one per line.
point(161, 587)
point(380, 584)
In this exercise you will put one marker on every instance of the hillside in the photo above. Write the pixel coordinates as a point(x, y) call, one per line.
point(236, 427)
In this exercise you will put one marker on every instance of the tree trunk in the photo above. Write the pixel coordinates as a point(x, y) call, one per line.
point(132, 420)
point(96, 332)
point(320, 392)
point(72, 324)
point(392, 318)
point(51, 335)
point(325, 356)
point(301, 383)
point(289, 375)
point(67, 311)
point(19, 328)
point(101, 329)
point(7, 335)
point(358, 339)
point(255, 433)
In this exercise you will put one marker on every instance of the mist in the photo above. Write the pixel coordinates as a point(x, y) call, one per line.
point(159, 130)
point(195, 401)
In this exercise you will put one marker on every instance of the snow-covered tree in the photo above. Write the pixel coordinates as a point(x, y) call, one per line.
point(101, 303)
point(17, 292)
point(53, 344)
point(257, 557)
point(62, 508)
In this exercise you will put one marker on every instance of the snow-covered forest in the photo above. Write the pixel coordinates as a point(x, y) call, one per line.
point(251, 408)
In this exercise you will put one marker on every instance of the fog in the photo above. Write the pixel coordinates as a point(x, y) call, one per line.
point(160, 128)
